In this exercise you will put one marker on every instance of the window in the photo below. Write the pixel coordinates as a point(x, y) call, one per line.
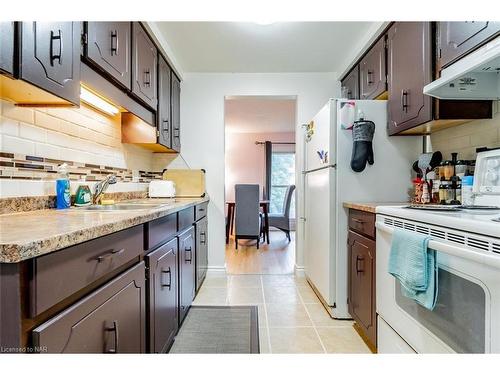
point(282, 176)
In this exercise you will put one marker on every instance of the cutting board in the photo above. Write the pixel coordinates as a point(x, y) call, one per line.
point(189, 183)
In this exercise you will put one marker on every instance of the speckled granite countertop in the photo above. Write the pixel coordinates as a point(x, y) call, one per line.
point(26, 235)
point(371, 206)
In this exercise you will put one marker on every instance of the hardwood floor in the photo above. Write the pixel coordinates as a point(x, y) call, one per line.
point(277, 258)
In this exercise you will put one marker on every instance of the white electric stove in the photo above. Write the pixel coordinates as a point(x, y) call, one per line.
point(468, 254)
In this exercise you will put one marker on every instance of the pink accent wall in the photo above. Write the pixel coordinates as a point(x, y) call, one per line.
point(245, 161)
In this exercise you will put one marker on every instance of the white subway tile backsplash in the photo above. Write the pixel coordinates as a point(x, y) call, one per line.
point(34, 133)
point(9, 127)
point(465, 138)
point(46, 150)
point(17, 145)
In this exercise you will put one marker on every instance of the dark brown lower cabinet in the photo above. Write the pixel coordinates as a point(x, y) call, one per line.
point(162, 296)
point(361, 301)
point(186, 271)
point(109, 320)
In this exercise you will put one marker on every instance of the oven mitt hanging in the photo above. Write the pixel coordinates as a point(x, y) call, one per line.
point(362, 150)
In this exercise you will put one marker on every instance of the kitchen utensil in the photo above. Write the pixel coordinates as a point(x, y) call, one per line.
point(437, 158)
point(424, 161)
point(417, 169)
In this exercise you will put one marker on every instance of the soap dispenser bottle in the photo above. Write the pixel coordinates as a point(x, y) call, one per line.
point(63, 193)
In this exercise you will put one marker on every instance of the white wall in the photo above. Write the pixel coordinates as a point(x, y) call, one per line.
point(202, 130)
point(245, 161)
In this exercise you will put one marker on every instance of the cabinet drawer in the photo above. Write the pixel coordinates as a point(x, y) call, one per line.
point(200, 211)
point(160, 231)
point(110, 320)
point(57, 276)
point(362, 222)
point(185, 218)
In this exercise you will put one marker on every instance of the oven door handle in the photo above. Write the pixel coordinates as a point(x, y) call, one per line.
point(479, 256)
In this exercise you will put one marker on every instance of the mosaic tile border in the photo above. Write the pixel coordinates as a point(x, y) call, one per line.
point(27, 167)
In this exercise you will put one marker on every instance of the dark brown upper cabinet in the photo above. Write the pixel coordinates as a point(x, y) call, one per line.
point(351, 83)
point(107, 48)
point(50, 57)
point(162, 292)
point(409, 62)
point(372, 72)
point(164, 93)
point(455, 39)
point(410, 67)
point(144, 66)
point(186, 271)
point(175, 112)
point(7, 48)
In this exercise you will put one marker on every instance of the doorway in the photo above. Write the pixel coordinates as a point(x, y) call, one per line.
point(260, 151)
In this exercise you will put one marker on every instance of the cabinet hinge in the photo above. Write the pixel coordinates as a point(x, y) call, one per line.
point(84, 39)
point(439, 53)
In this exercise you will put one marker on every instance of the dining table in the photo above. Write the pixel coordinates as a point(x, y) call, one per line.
point(231, 205)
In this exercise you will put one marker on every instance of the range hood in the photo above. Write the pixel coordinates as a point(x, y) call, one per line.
point(475, 76)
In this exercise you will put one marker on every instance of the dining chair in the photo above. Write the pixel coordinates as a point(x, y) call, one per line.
point(282, 220)
point(247, 213)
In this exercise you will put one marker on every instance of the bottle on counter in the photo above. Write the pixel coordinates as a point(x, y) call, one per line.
point(443, 191)
point(63, 193)
point(467, 195)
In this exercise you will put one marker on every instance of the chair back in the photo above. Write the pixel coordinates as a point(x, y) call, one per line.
point(247, 209)
point(288, 200)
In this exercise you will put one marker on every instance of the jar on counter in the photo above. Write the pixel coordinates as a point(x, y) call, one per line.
point(443, 191)
point(461, 168)
point(467, 195)
point(446, 170)
point(418, 190)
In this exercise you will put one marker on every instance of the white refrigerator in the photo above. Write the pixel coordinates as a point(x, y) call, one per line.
point(330, 181)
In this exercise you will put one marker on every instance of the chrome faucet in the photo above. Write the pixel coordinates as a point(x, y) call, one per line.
point(101, 186)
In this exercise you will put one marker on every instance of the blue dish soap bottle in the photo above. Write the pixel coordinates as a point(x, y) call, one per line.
point(63, 198)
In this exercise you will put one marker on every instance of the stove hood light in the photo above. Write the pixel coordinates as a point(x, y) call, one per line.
point(97, 102)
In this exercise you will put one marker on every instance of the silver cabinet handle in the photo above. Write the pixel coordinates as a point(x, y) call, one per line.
point(115, 330)
point(56, 39)
point(169, 285)
point(102, 258)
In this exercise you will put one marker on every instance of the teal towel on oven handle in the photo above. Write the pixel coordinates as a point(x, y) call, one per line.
point(415, 266)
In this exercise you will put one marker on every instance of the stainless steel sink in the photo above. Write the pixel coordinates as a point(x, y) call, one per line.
point(120, 207)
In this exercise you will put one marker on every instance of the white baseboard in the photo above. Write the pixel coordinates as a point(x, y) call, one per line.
point(216, 270)
point(299, 271)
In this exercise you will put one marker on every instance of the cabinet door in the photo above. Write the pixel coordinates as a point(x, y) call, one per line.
point(176, 116)
point(187, 271)
point(372, 72)
point(110, 320)
point(455, 39)
point(7, 47)
point(201, 251)
point(409, 70)
point(108, 47)
point(144, 65)
point(351, 83)
point(162, 275)
point(362, 283)
point(163, 117)
point(51, 57)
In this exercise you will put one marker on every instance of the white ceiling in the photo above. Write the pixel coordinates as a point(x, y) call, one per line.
point(246, 47)
point(259, 114)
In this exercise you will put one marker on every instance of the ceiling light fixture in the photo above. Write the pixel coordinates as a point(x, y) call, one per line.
point(97, 102)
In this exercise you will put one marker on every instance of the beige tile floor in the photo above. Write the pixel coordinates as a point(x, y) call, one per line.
point(291, 317)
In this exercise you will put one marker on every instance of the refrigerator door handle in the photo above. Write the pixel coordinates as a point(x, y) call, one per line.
point(320, 168)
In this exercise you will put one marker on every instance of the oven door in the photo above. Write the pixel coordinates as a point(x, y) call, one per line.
point(468, 296)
